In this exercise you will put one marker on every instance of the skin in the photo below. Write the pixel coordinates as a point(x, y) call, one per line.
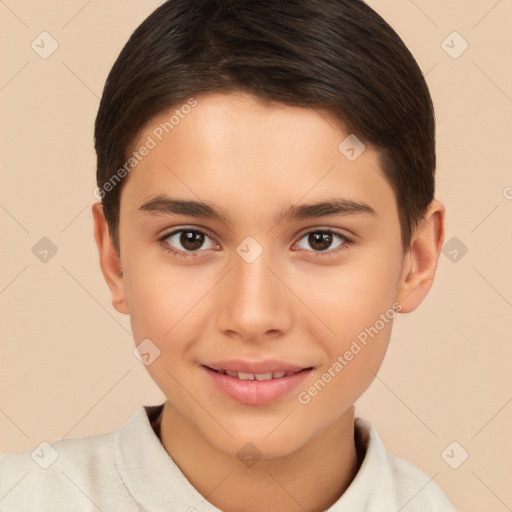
point(254, 159)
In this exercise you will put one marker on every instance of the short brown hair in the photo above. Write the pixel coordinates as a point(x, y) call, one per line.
point(338, 55)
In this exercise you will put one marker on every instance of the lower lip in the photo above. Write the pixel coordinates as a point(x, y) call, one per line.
point(256, 392)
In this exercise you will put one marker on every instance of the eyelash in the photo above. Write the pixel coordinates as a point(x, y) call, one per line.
point(192, 254)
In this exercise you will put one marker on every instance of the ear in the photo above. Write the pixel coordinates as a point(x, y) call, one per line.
point(110, 261)
point(420, 262)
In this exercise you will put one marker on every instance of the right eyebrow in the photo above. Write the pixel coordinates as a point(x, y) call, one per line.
point(165, 205)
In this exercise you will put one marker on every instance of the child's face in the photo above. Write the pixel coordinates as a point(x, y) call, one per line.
point(293, 302)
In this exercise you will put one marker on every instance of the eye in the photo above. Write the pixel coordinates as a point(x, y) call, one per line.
point(185, 242)
point(321, 240)
point(190, 240)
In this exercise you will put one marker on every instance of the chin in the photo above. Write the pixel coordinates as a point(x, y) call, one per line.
point(256, 442)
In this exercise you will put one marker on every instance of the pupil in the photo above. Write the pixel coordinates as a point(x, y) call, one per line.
point(191, 240)
point(323, 239)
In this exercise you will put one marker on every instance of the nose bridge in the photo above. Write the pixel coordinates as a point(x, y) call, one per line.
point(252, 301)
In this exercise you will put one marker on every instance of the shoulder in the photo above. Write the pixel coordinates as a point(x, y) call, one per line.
point(415, 488)
point(69, 450)
point(78, 472)
point(387, 482)
point(49, 458)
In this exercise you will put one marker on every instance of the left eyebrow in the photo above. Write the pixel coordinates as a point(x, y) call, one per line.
point(164, 204)
point(336, 206)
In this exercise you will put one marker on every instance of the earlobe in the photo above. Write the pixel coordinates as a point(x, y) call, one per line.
point(110, 262)
point(421, 261)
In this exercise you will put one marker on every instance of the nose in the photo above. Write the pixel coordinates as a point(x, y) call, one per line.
point(254, 304)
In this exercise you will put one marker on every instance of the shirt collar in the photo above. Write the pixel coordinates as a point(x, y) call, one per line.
point(148, 471)
point(155, 481)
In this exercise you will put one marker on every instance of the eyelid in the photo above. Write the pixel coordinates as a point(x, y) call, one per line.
point(338, 231)
point(186, 227)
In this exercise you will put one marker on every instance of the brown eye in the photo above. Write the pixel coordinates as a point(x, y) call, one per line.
point(182, 241)
point(322, 240)
point(191, 240)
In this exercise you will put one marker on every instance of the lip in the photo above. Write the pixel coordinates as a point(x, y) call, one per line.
point(254, 392)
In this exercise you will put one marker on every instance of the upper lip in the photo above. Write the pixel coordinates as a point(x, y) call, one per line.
point(261, 366)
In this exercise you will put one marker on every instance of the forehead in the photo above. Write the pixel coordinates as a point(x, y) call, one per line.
point(238, 151)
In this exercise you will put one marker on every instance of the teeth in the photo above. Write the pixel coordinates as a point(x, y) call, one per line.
point(256, 376)
point(263, 376)
point(245, 376)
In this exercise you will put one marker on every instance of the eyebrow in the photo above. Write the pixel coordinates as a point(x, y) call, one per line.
point(165, 205)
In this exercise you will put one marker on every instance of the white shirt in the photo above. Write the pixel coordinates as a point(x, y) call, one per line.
point(129, 470)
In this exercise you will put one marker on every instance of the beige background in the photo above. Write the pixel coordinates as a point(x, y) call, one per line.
point(66, 362)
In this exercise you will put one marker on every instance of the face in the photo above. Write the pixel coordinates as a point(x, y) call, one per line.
point(255, 281)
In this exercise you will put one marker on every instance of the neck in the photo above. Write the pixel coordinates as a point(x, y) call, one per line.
point(311, 478)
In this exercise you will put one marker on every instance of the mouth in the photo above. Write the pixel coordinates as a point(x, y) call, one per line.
point(256, 389)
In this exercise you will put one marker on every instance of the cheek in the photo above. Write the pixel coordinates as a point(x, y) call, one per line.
point(150, 305)
point(351, 367)
point(349, 298)
point(356, 304)
point(154, 291)
point(167, 305)
point(165, 308)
